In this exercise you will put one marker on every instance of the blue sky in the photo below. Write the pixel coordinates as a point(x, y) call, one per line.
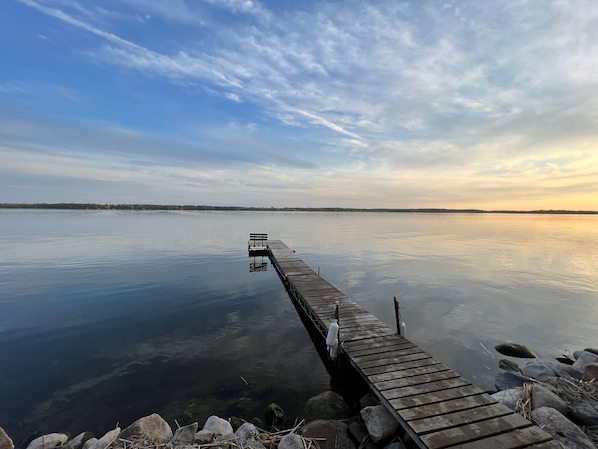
point(353, 104)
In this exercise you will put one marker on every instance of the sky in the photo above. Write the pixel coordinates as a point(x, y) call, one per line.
point(277, 103)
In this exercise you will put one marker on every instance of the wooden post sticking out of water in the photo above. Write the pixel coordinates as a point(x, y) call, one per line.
point(400, 324)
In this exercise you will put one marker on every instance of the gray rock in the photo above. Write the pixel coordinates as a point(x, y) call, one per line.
point(107, 439)
point(360, 435)
point(583, 358)
point(538, 371)
point(291, 441)
point(367, 400)
point(515, 350)
point(543, 397)
point(395, 445)
point(48, 441)
point(248, 436)
point(152, 428)
point(590, 371)
point(566, 371)
point(89, 443)
point(592, 350)
point(218, 426)
point(326, 406)
point(78, 441)
point(381, 425)
point(204, 437)
point(5, 440)
point(184, 435)
point(583, 413)
point(509, 366)
point(505, 381)
point(274, 414)
point(561, 428)
point(509, 397)
point(336, 434)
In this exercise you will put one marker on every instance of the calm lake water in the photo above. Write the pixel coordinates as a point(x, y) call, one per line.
point(106, 316)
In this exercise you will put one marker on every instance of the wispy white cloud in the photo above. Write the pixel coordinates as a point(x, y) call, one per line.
point(398, 91)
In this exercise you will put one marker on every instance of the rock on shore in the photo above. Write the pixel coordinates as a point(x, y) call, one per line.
point(561, 395)
point(325, 421)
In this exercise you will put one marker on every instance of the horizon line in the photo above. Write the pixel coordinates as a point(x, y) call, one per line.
point(149, 206)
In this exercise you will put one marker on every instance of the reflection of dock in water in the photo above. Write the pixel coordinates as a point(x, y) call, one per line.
point(436, 406)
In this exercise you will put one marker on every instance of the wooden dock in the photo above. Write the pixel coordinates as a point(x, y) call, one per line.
point(436, 406)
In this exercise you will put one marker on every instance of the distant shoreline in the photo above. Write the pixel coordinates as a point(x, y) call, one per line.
point(150, 207)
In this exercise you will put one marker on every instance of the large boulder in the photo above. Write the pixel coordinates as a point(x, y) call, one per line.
point(48, 441)
point(249, 437)
point(184, 435)
point(218, 426)
point(335, 433)
point(326, 406)
point(561, 429)
point(515, 350)
point(583, 413)
point(107, 439)
point(509, 397)
point(5, 440)
point(381, 425)
point(151, 428)
point(543, 397)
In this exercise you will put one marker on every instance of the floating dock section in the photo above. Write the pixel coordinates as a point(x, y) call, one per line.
point(436, 406)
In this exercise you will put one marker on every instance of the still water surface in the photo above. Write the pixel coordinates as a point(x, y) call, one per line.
point(106, 316)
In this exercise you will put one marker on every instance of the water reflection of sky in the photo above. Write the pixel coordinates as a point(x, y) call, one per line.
point(107, 315)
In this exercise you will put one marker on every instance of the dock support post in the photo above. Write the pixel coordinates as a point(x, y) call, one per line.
point(397, 315)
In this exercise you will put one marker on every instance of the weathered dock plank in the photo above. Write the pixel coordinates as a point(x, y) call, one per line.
point(435, 405)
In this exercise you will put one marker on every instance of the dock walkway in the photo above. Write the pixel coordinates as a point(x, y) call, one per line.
point(436, 406)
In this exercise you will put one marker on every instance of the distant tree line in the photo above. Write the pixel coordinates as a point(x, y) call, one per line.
point(94, 206)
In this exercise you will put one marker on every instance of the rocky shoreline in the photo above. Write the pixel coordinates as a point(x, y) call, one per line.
point(559, 395)
point(329, 423)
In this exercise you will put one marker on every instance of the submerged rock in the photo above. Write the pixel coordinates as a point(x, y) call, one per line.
point(381, 425)
point(152, 428)
point(509, 366)
point(274, 414)
point(561, 428)
point(515, 350)
point(48, 441)
point(326, 406)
